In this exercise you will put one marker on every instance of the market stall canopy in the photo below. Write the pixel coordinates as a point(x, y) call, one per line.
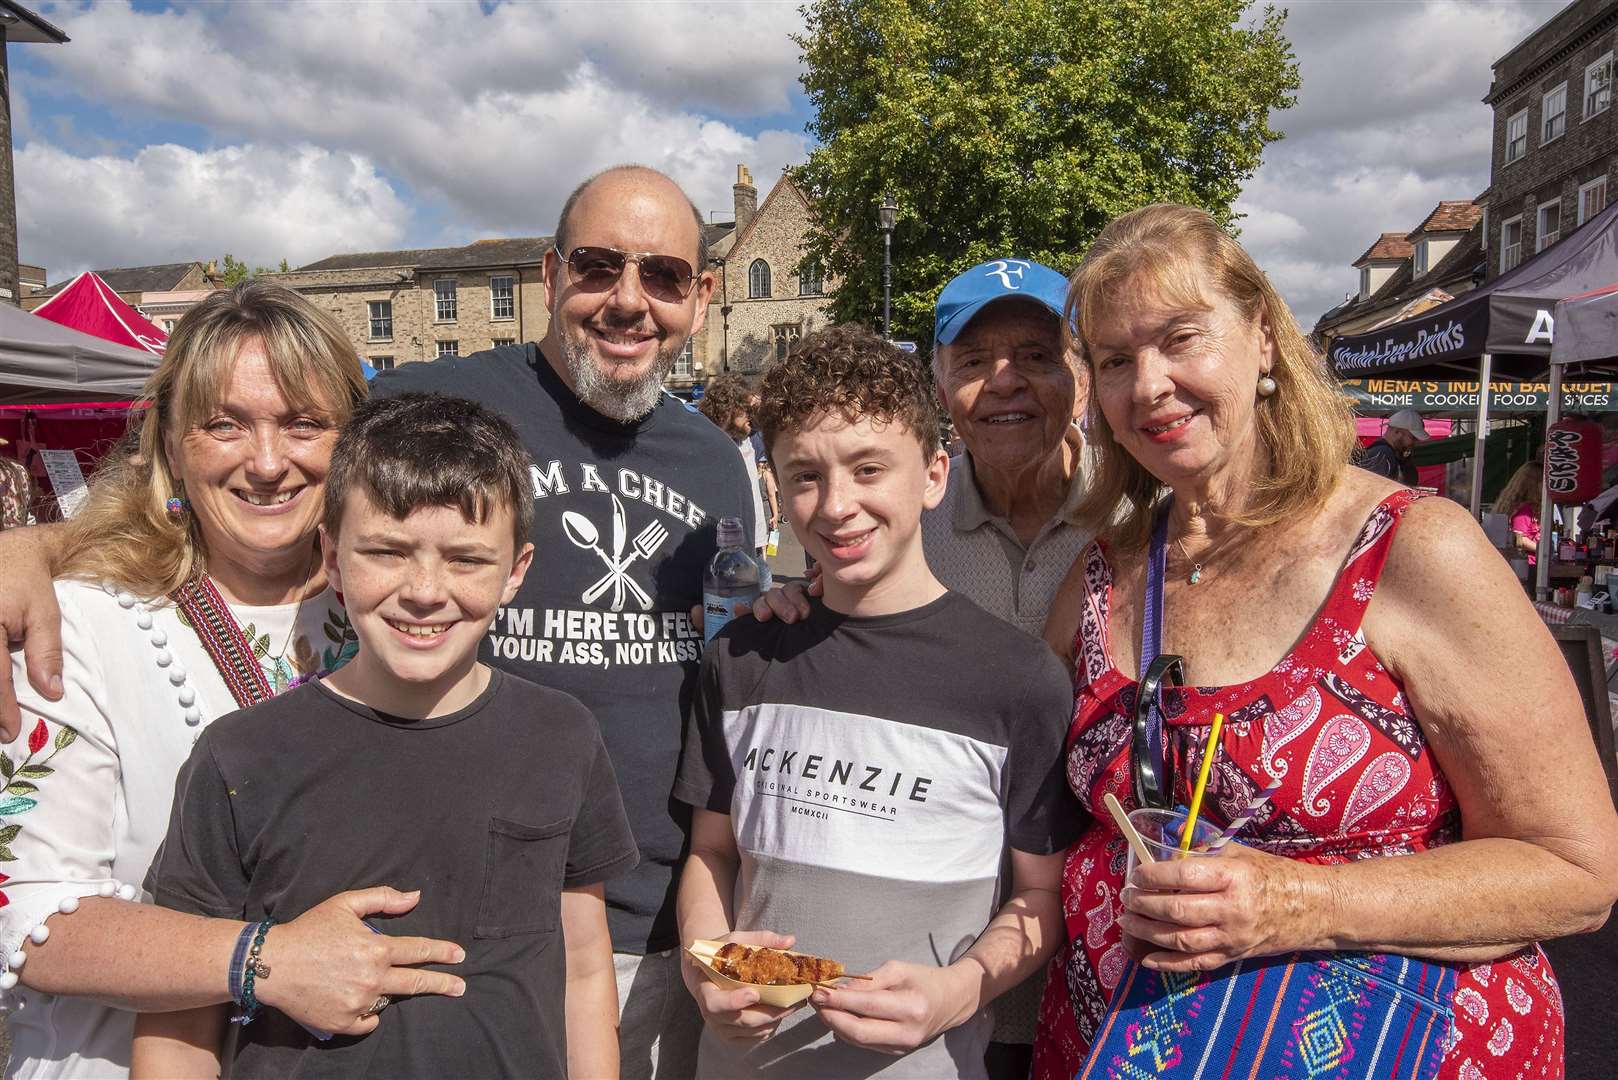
point(89, 304)
point(1587, 327)
point(42, 362)
point(1511, 317)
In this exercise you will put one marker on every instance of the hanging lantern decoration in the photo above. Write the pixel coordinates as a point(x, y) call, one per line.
point(1573, 461)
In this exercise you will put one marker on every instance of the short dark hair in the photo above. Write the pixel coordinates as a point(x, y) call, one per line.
point(849, 370)
point(421, 450)
point(703, 256)
point(724, 397)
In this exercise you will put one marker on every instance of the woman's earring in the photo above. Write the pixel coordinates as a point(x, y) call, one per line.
point(176, 508)
point(1266, 386)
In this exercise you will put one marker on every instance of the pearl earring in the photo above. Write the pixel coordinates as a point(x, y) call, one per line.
point(1266, 386)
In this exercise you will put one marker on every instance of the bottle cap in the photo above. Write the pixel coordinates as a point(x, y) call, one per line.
point(730, 532)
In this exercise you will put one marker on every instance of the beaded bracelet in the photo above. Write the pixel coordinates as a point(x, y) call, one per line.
point(254, 969)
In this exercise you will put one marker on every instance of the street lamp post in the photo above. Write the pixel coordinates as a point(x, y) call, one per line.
point(724, 314)
point(886, 215)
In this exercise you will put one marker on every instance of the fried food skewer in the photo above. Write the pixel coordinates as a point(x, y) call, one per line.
point(773, 967)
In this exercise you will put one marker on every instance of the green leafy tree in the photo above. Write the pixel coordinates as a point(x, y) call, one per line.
point(1004, 127)
point(234, 273)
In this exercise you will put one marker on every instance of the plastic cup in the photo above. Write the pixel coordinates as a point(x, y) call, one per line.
point(1160, 831)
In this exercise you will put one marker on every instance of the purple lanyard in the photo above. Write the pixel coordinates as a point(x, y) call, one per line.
point(1151, 625)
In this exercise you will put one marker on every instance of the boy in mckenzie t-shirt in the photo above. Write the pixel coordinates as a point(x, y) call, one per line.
point(857, 777)
point(414, 762)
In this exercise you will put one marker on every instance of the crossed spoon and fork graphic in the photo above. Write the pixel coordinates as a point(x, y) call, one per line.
point(582, 532)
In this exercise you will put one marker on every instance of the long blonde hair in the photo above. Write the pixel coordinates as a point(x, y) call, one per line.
point(124, 534)
point(1524, 486)
point(1306, 425)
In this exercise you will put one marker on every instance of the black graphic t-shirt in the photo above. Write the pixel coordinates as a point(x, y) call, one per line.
point(624, 518)
point(491, 811)
point(875, 770)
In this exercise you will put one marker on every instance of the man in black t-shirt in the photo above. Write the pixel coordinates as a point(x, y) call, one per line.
point(628, 486)
point(413, 762)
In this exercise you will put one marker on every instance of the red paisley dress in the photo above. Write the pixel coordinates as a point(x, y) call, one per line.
point(1358, 781)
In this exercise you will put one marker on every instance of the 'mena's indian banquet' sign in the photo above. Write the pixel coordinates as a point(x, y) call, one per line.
point(1372, 396)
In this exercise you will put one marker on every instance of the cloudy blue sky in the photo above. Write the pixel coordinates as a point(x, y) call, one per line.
point(166, 132)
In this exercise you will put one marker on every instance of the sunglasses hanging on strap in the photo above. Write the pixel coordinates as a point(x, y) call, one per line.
point(1149, 762)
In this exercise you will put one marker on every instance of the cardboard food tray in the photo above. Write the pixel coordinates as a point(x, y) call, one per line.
point(703, 953)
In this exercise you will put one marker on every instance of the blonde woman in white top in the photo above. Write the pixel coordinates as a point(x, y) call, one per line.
point(190, 586)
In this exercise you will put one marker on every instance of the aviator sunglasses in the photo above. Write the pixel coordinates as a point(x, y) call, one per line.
point(662, 277)
point(1154, 787)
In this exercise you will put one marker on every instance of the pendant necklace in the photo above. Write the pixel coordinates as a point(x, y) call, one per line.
point(1196, 567)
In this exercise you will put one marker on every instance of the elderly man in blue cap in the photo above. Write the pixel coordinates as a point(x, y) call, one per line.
point(1007, 531)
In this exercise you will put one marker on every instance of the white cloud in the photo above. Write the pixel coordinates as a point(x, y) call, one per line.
point(171, 203)
point(484, 121)
point(492, 117)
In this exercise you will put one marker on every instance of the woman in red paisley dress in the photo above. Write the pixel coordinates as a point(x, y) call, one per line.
point(1438, 795)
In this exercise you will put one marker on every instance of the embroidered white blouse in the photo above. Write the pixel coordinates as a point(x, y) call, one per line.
point(90, 782)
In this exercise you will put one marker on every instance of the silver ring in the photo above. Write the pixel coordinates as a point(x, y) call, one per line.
point(377, 1006)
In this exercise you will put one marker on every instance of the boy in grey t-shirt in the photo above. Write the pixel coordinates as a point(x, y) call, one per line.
point(856, 777)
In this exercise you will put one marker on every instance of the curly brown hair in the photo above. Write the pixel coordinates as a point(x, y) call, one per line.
point(849, 369)
point(724, 397)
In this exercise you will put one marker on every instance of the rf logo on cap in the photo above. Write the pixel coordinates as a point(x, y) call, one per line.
point(1002, 269)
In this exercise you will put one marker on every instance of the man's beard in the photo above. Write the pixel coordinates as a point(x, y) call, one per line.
point(615, 398)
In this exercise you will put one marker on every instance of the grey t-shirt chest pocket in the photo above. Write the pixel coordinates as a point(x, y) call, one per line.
point(522, 878)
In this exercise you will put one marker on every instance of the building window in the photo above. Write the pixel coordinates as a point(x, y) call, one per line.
point(501, 341)
point(1517, 136)
point(1365, 282)
point(1419, 259)
point(684, 367)
point(449, 348)
point(381, 320)
point(1592, 198)
point(501, 303)
point(168, 326)
point(812, 279)
point(1510, 243)
point(758, 279)
point(381, 363)
point(1547, 224)
point(786, 335)
point(1598, 86)
point(444, 300)
point(1553, 115)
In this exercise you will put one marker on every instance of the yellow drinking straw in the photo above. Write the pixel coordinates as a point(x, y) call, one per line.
point(1209, 749)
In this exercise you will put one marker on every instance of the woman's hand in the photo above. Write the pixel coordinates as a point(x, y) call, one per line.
point(327, 967)
point(1200, 913)
point(736, 1015)
point(29, 614)
point(900, 1007)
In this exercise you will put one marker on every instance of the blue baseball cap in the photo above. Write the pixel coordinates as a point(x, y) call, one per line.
point(998, 279)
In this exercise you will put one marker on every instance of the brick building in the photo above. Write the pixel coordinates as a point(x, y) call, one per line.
point(1403, 274)
point(768, 296)
point(1555, 132)
point(402, 306)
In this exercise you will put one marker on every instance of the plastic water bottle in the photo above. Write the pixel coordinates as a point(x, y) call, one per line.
point(733, 576)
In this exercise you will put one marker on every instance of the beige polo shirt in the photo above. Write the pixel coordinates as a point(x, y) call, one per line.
point(978, 555)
